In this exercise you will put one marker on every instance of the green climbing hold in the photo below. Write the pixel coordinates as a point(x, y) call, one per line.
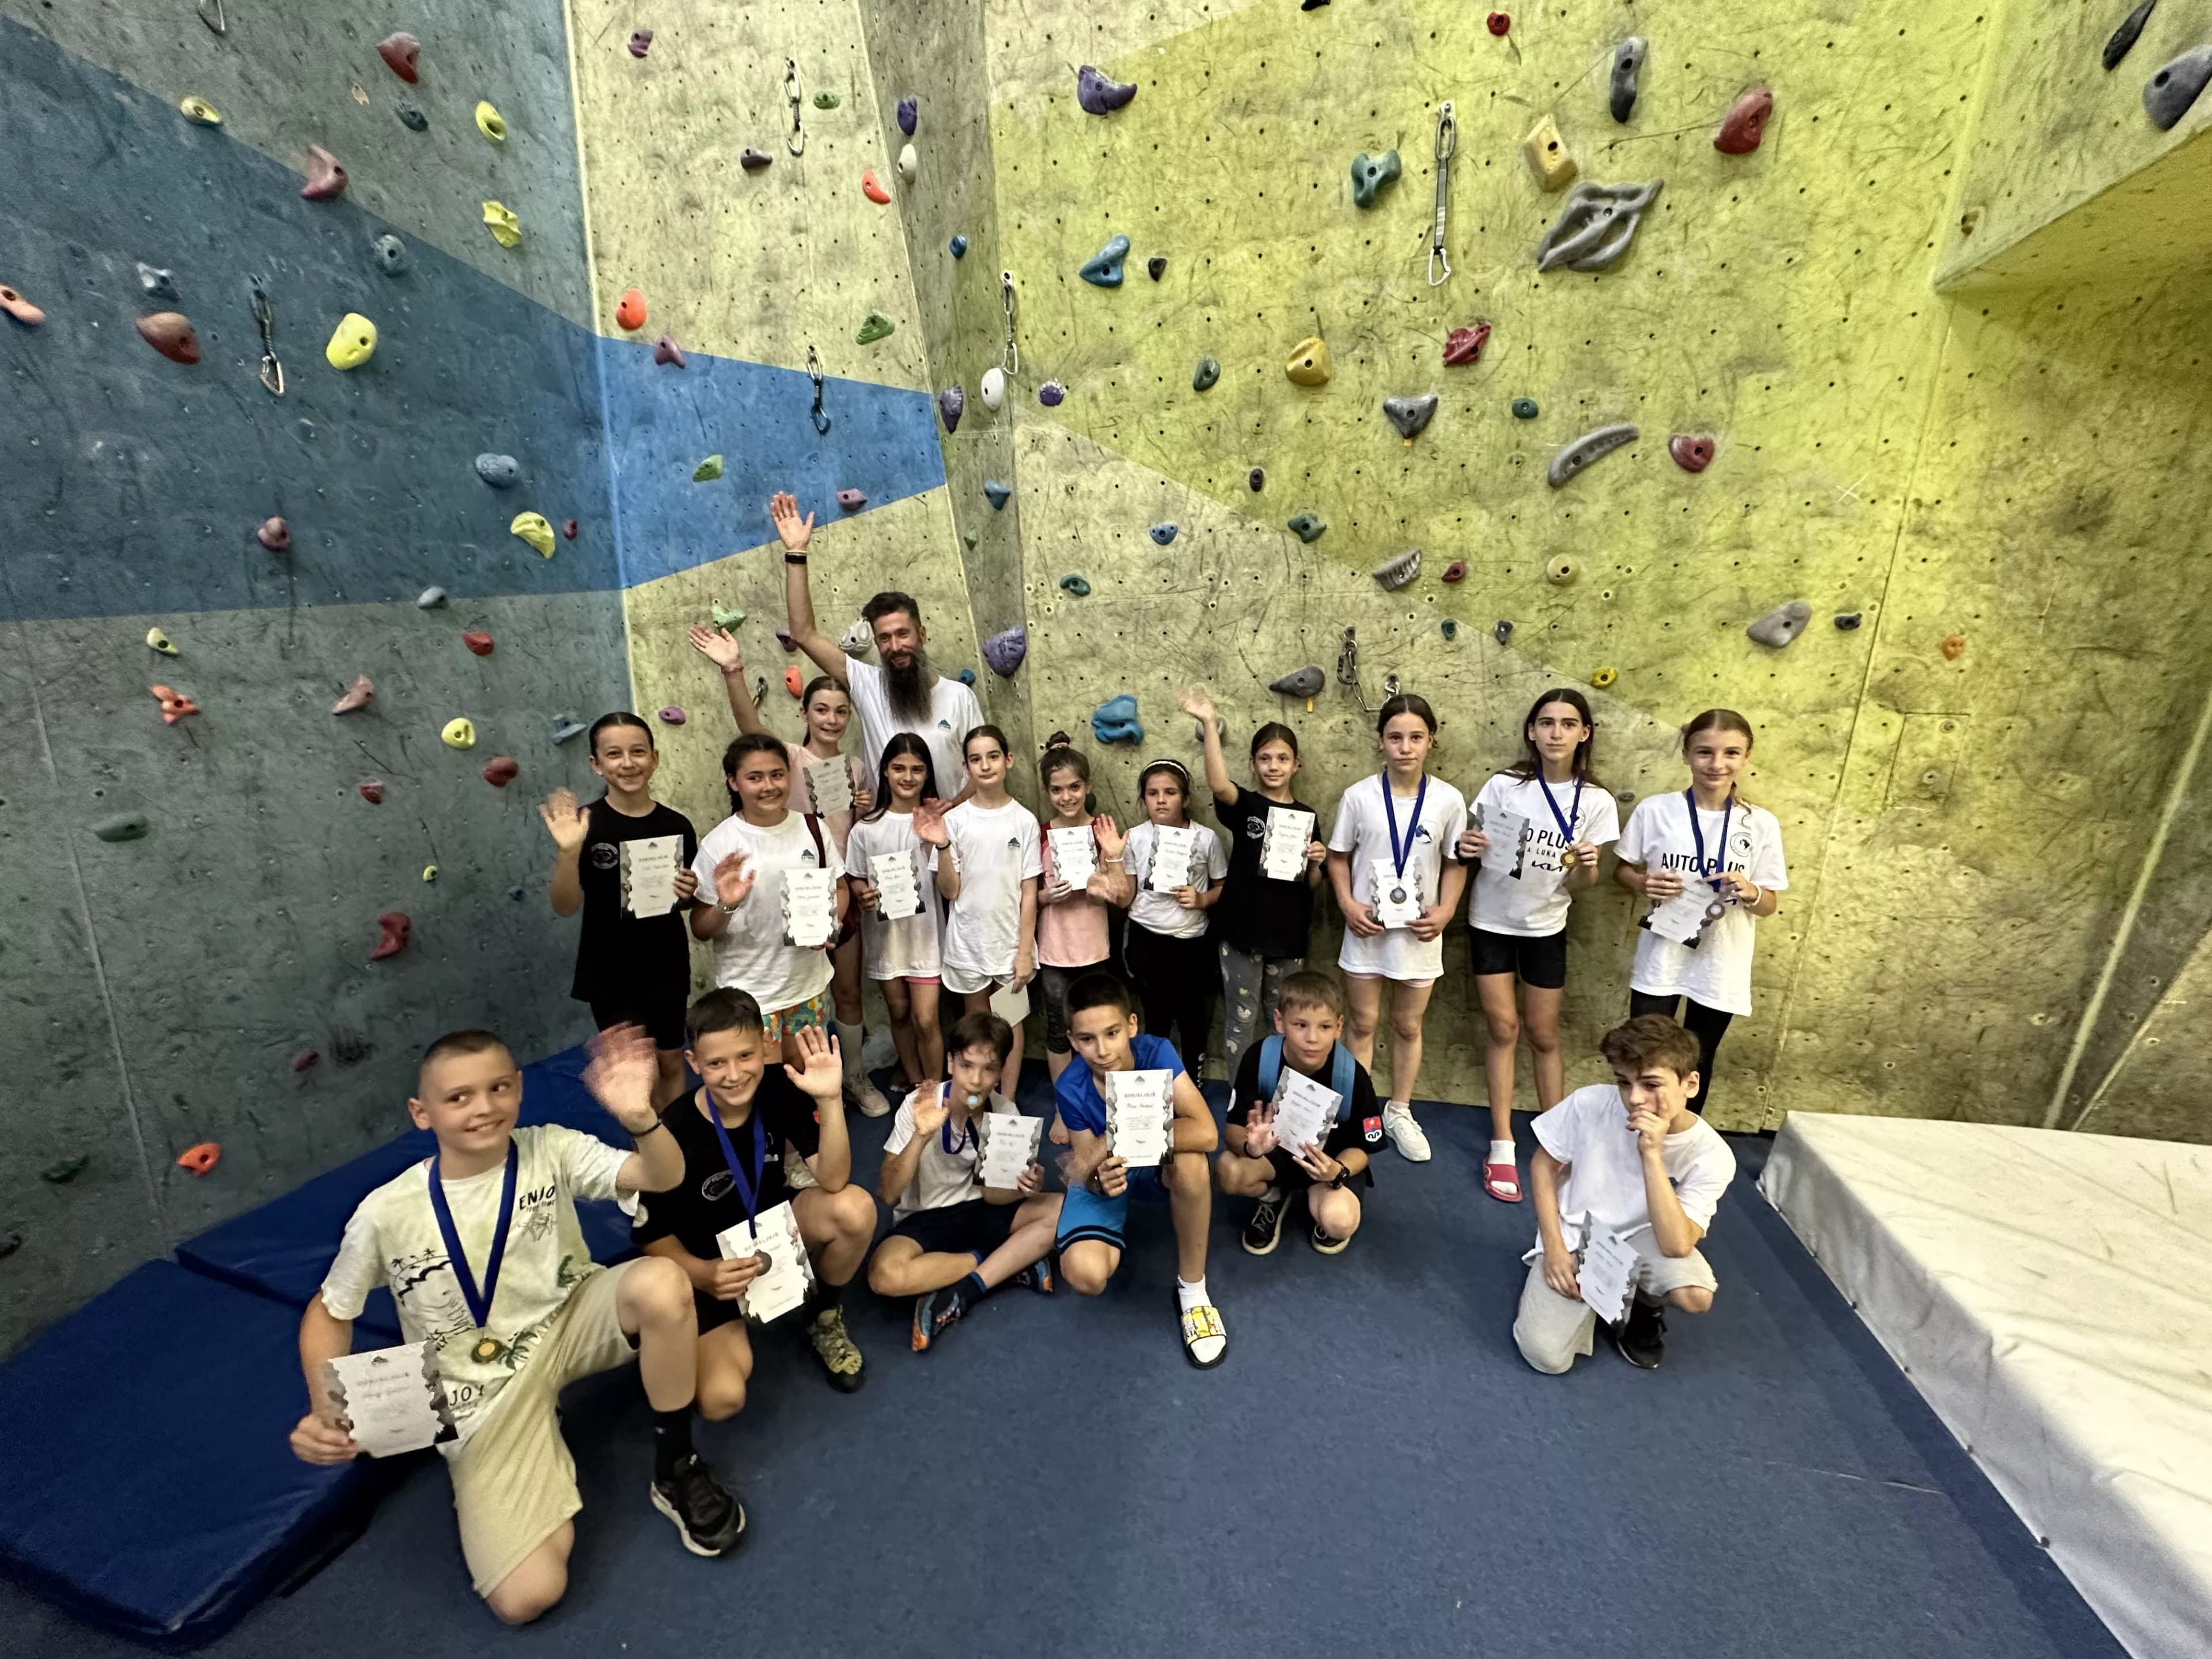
point(1076, 586)
point(1524, 408)
point(727, 616)
point(1204, 374)
point(124, 826)
point(707, 470)
point(1372, 174)
point(827, 101)
point(1306, 526)
point(68, 1169)
point(873, 327)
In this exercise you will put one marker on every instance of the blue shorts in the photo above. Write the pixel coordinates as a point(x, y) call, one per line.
point(1086, 1214)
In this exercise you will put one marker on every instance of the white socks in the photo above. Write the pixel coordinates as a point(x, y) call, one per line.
point(856, 1071)
point(1406, 1106)
point(1501, 1151)
point(1190, 1296)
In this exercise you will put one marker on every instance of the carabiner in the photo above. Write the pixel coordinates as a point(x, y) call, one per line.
point(1447, 143)
point(264, 316)
point(819, 415)
point(218, 22)
point(796, 143)
point(1011, 358)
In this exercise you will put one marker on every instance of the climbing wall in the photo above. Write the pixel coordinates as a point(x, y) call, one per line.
point(209, 981)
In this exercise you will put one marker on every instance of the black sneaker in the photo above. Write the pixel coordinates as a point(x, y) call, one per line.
point(841, 1360)
point(708, 1517)
point(1265, 1230)
point(1642, 1337)
point(1327, 1245)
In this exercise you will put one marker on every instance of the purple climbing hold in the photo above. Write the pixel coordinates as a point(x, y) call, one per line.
point(1099, 95)
point(640, 42)
point(1051, 394)
point(950, 402)
point(785, 638)
point(671, 715)
point(1004, 651)
point(752, 160)
point(852, 500)
point(665, 350)
point(909, 110)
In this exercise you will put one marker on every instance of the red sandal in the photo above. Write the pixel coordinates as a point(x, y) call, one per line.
point(1502, 1181)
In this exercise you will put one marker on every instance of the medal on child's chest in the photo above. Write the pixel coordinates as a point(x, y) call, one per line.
point(486, 1347)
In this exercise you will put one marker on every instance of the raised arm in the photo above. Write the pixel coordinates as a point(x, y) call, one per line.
point(720, 648)
point(1195, 703)
point(820, 1075)
point(568, 823)
point(798, 598)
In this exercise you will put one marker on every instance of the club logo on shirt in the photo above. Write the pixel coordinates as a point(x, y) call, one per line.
point(606, 855)
point(718, 1186)
point(1371, 1129)
point(1256, 830)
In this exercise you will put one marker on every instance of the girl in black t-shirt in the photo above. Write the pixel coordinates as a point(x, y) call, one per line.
point(1261, 924)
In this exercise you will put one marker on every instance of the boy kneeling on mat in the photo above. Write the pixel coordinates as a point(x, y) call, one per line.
point(1257, 1164)
point(484, 1259)
point(1101, 1027)
point(1624, 1169)
point(953, 1240)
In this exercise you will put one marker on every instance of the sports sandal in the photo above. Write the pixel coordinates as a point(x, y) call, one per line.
point(1204, 1340)
point(1502, 1181)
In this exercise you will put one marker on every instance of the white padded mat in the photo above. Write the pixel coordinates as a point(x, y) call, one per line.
point(2050, 1294)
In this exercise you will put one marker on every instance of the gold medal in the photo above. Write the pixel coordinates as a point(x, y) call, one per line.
point(486, 1350)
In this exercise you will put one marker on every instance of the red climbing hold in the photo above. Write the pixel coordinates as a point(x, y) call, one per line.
point(631, 313)
point(1954, 648)
point(274, 534)
point(499, 771)
point(1692, 453)
point(399, 52)
point(568, 529)
point(478, 642)
point(1499, 21)
point(175, 705)
point(1746, 123)
point(792, 683)
point(305, 1058)
point(393, 930)
point(871, 189)
point(170, 333)
point(1455, 571)
point(357, 695)
point(198, 1160)
point(1464, 345)
point(325, 178)
point(665, 350)
point(371, 790)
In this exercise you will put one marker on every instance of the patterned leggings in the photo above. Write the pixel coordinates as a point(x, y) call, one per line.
point(1251, 984)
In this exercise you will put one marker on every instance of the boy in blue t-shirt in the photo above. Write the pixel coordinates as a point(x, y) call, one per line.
point(1101, 1025)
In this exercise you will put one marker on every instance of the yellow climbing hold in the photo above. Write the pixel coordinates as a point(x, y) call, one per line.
point(1604, 676)
point(1309, 361)
point(1545, 149)
point(199, 112)
point(506, 229)
point(429, 873)
point(533, 529)
point(460, 732)
point(489, 122)
point(352, 341)
point(160, 641)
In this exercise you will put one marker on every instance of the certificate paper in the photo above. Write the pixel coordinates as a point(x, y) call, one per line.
point(1608, 1272)
point(810, 906)
point(1139, 1106)
point(782, 1283)
point(830, 787)
point(390, 1399)
point(1074, 856)
point(1683, 917)
point(1508, 845)
point(898, 894)
point(1009, 1147)
point(648, 874)
point(1304, 1110)
point(1173, 847)
point(1011, 1004)
point(1283, 850)
point(1397, 898)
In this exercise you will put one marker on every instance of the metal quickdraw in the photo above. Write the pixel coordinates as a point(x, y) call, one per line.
point(1011, 359)
point(819, 415)
point(264, 316)
point(1347, 672)
point(796, 143)
point(210, 13)
point(1446, 143)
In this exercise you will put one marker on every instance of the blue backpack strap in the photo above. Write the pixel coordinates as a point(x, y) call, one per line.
point(1342, 1069)
point(1271, 1066)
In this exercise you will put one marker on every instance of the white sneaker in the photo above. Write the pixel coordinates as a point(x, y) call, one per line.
point(868, 1098)
point(1405, 1134)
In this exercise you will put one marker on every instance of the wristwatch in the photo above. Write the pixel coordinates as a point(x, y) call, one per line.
point(727, 909)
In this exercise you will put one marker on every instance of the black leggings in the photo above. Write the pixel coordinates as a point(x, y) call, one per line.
point(1708, 1025)
point(1176, 980)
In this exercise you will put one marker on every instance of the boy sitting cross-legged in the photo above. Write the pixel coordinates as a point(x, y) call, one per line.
point(954, 1240)
point(1254, 1163)
point(481, 1251)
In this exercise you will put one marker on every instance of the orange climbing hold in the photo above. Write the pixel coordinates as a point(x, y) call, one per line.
point(478, 642)
point(357, 695)
point(20, 308)
point(871, 189)
point(792, 683)
point(499, 771)
point(175, 705)
point(394, 928)
point(199, 1159)
point(631, 313)
point(1954, 648)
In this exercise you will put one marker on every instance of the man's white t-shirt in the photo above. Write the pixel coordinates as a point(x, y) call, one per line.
point(941, 1176)
point(1717, 973)
point(953, 713)
point(995, 849)
point(1363, 832)
point(750, 953)
point(911, 947)
point(1158, 913)
point(1588, 1132)
point(1528, 899)
point(392, 1239)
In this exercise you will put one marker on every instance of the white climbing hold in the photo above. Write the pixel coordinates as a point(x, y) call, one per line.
point(995, 388)
point(858, 639)
point(908, 163)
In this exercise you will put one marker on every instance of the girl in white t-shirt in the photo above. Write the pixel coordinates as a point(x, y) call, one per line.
point(1397, 884)
point(903, 956)
point(989, 882)
point(1537, 828)
point(1710, 840)
point(1172, 967)
point(742, 867)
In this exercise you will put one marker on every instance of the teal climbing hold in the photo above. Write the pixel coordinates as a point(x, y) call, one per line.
point(1306, 526)
point(1075, 586)
point(1103, 268)
point(1204, 374)
point(1451, 628)
point(997, 494)
point(566, 726)
point(1164, 533)
point(1524, 408)
point(125, 826)
point(1372, 174)
point(1115, 721)
point(966, 676)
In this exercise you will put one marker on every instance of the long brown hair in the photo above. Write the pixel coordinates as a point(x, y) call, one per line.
point(1531, 764)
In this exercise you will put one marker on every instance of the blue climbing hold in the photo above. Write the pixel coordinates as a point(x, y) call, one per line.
point(967, 677)
point(1164, 533)
point(1306, 526)
point(1115, 721)
point(566, 726)
point(1103, 268)
point(997, 494)
point(1372, 173)
point(959, 247)
point(909, 110)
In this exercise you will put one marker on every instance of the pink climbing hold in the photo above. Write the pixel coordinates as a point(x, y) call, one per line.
point(399, 52)
point(357, 695)
point(478, 642)
point(499, 771)
point(1691, 452)
point(1464, 345)
point(170, 333)
point(274, 534)
point(869, 188)
point(665, 350)
point(671, 715)
point(175, 705)
point(783, 638)
point(371, 790)
point(640, 42)
point(393, 929)
point(568, 529)
point(792, 683)
point(1746, 123)
point(305, 1058)
point(1499, 21)
point(325, 178)
point(20, 308)
point(852, 500)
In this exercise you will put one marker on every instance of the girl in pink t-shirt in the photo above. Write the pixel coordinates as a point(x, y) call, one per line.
point(1072, 936)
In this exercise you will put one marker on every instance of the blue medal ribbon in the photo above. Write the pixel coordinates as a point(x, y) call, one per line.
point(1698, 834)
point(968, 1137)
point(747, 1190)
point(1399, 853)
point(479, 1301)
point(1574, 812)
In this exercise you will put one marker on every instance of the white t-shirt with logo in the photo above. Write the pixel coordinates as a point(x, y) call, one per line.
point(1158, 913)
point(750, 954)
point(1363, 833)
point(1588, 1132)
point(1717, 972)
point(392, 1239)
point(995, 849)
point(940, 1177)
point(1529, 899)
point(953, 713)
point(911, 947)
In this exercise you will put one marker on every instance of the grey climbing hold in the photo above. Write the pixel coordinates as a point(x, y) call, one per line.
point(1848, 620)
point(909, 111)
point(1157, 266)
point(1599, 440)
point(390, 255)
point(752, 160)
point(1781, 624)
point(2168, 93)
point(1051, 394)
point(997, 494)
point(1164, 533)
point(1395, 573)
point(566, 725)
point(1098, 95)
point(1075, 586)
point(1503, 630)
point(1003, 651)
point(1627, 65)
point(517, 894)
point(2123, 38)
point(1103, 268)
point(411, 117)
point(1306, 526)
point(1372, 174)
point(858, 639)
point(1524, 408)
point(499, 471)
point(1257, 477)
point(66, 1170)
point(1305, 682)
point(958, 246)
point(1410, 415)
point(156, 282)
point(1204, 374)
point(1595, 226)
point(1115, 721)
point(950, 402)
point(430, 599)
point(124, 826)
